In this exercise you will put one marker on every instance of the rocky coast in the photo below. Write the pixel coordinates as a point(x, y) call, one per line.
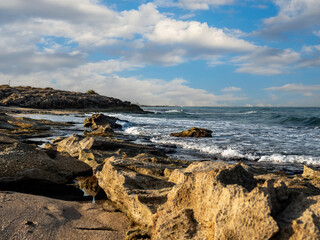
point(140, 192)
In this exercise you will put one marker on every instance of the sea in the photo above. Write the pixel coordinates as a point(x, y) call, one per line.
point(278, 136)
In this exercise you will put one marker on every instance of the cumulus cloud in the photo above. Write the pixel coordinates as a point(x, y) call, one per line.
point(196, 34)
point(306, 90)
point(267, 61)
point(293, 15)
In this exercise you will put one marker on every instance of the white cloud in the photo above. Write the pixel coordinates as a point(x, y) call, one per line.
point(193, 4)
point(231, 89)
point(306, 90)
point(198, 36)
point(293, 15)
point(98, 76)
point(267, 61)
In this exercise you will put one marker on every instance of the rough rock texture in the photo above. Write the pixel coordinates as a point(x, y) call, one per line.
point(169, 199)
point(164, 198)
point(48, 98)
point(22, 127)
point(212, 201)
point(133, 176)
point(24, 216)
point(194, 132)
point(311, 172)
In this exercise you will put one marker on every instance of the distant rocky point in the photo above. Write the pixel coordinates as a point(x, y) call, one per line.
point(49, 98)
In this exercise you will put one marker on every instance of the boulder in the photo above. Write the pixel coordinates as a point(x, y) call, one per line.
point(101, 120)
point(22, 163)
point(215, 201)
point(194, 132)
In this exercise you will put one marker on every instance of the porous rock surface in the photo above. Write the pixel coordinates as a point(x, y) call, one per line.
point(170, 199)
point(48, 98)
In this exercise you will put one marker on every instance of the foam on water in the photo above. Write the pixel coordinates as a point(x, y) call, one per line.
point(238, 133)
point(284, 135)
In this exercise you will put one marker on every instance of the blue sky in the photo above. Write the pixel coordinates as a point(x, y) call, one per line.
point(167, 52)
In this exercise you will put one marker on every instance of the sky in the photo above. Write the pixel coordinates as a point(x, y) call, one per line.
point(166, 52)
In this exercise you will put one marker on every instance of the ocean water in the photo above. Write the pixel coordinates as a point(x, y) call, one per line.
point(264, 135)
point(259, 135)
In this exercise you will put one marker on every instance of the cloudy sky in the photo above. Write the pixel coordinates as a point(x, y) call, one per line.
point(167, 52)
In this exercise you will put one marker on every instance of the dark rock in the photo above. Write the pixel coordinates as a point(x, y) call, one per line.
point(48, 98)
point(101, 120)
point(194, 132)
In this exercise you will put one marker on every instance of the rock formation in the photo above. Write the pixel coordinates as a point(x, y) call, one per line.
point(169, 199)
point(194, 132)
point(164, 198)
point(48, 98)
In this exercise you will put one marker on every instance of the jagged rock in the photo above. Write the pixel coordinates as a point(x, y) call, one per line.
point(301, 219)
point(215, 202)
point(100, 131)
point(48, 98)
point(194, 132)
point(101, 120)
point(311, 172)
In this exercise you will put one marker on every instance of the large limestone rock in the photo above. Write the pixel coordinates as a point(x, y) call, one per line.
point(194, 132)
point(170, 199)
point(300, 220)
point(215, 201)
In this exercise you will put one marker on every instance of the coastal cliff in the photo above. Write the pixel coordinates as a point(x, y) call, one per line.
point(49, 98)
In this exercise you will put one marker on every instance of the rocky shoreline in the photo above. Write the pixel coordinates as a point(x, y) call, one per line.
point(49, 98)
point(143, 193)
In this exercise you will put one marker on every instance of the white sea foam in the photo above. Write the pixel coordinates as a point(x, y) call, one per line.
point(133, 131)
point(250, 112)
point(277, 158)
point(174, 111)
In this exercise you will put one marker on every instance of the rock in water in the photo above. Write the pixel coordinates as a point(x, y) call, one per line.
point(194, 132)
point(101, 120)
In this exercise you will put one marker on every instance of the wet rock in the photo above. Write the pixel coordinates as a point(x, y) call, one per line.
point(22, 127)
point(101, 120)
point(194, 132)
